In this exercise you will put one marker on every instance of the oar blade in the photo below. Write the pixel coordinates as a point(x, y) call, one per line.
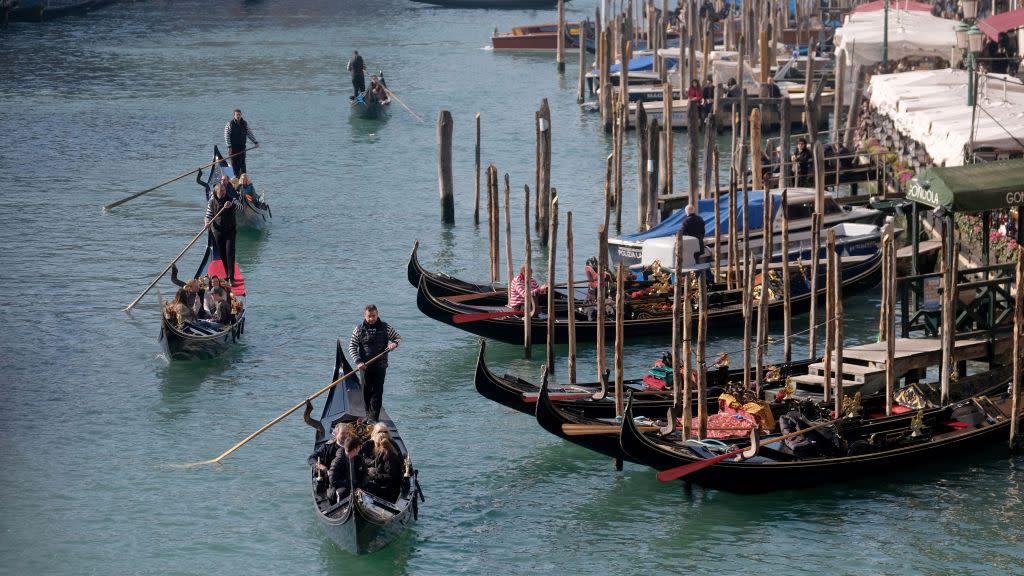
point(687, 469)
point(473, 317)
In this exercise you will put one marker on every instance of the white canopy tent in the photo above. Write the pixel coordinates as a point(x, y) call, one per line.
point(930, 106)
point(911, 33)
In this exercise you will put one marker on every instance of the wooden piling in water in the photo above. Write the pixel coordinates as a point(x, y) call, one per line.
point(508, 234)
point(787, 310)
point(837, 104)
point(687, 367)
point(734, 262)
point(784, 154)
point(602, 270)
point(692, 168)
point(552, 234)
point(666, 102)
point(476, 166)
point(528, 301)
point(446, 186)
point(718, 218)
point(755, 148)
point(1018, 367)
point(652, 168)
point(888, 312)
point(702, 366)
point(581, 88)
point(816, 225)
point(620, 311)
point(949, 306)
point(677, 328)
point(543, 169)
point(642, 152)
point(837, 307)
point(810, 101)
point(748, 317)
point(492, 223)
point(560, 43)
point(767, 246)
point(570, 295)
point(829, 317)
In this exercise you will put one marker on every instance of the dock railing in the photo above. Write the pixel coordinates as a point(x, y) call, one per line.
point(984, 302)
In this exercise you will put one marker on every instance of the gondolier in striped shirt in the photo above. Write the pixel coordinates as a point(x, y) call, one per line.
point(370, 338)
point(236, 131)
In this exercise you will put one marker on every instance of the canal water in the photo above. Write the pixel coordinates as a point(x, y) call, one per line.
point(93, 417)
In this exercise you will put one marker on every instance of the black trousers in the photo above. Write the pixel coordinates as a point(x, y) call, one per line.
point(373, 389)
point(238, 163)
point(358, 84)
point(224, 241)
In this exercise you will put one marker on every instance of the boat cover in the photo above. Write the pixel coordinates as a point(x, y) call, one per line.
point(706, 208)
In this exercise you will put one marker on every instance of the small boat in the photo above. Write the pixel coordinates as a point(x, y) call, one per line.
point(199, 340)
point(443, 285)
point(536, 38)
point(494, 4)
point(646, 316)
point(361, 523)
point(253, 211)
point(521, 395)
point(368, 106)
point(945, 435)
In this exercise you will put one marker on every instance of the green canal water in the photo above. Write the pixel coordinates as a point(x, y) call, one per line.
point(92, 416)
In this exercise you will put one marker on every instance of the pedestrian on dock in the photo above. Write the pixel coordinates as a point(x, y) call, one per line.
point(357, 68)
point(371, 338)
point(802, 159)
point(773, 90)
point(236, 132)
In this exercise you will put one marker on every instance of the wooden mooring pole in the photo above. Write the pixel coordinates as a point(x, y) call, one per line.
point(527, 275)
point(620, 312)
point(508, 234)
point(787, 309)
point(570, 295)
point(1018, 367)
point(702, 366)
point(494, 243)
point(581, 88)
point(767, 245)
point(552, 255)
point(543, 169)
point(476, 165)
point(560, 43)
point(445, 125)
point(599, 302)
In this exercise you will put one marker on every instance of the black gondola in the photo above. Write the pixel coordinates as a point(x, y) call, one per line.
point(442, 285)
point(944, 435)
point(368, 106)
point(198, 340)
point(361, 523)
point(253, 211)
point(522, 395)
point(645, 317)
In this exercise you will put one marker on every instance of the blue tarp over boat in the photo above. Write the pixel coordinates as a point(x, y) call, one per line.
point(706, 208)
point(641, 63)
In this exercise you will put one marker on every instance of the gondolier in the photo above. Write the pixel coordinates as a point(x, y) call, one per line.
point(369, 339)
point(236, 132)
point(223, 229)
point(357, 67)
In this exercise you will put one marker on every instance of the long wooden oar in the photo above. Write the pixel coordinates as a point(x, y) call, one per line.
point(463, 318)
point(162, 184)
point(283, 416)
point(395, 96)
point(173, 262)
point(686, 469)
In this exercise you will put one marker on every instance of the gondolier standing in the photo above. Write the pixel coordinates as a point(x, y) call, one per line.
point(357, 67)
point(223, 229)
point(370, 338)
point(236, 131)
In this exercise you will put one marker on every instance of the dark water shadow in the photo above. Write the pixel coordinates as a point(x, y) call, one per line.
point(180, 380)
point(391, 560)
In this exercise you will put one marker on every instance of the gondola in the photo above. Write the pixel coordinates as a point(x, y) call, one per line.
point(645, 317)
point(442, 285)
point(368, 106)
point(198, 341)
point(253, 211)
point(944, 435)
point(521, 395)
point(360, 523)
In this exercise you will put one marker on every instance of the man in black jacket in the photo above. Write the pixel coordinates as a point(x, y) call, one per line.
point(236, 132)
point(223, 229)
point(357, 68)
point(694, 226)
point(369, 339)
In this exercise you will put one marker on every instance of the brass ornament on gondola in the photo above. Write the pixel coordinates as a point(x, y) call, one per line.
point(852, 406)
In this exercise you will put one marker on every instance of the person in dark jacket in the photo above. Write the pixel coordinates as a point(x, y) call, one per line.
point(223, 229)
point(236, 132)
point(693, 226)
point(323, 456)
point(195, 293)
point(357, 68)
point(369, 339)
point(384, 464)
point(802, 162)
point(346, 468)
point(220, 315)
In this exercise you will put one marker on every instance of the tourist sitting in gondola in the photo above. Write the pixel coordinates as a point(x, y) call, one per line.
point(246, 190)
point(346, 466)
point(378, 90)
point(517, 290)
point(178, 310)
point(384, 465)
point(232, 192)
point(220, 314)
point(195, 292)
point(323, 456)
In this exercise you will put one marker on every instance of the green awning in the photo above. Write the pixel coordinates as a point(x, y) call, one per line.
point(971, 188)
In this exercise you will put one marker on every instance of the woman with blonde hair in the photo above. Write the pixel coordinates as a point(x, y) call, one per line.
point(384, 464)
